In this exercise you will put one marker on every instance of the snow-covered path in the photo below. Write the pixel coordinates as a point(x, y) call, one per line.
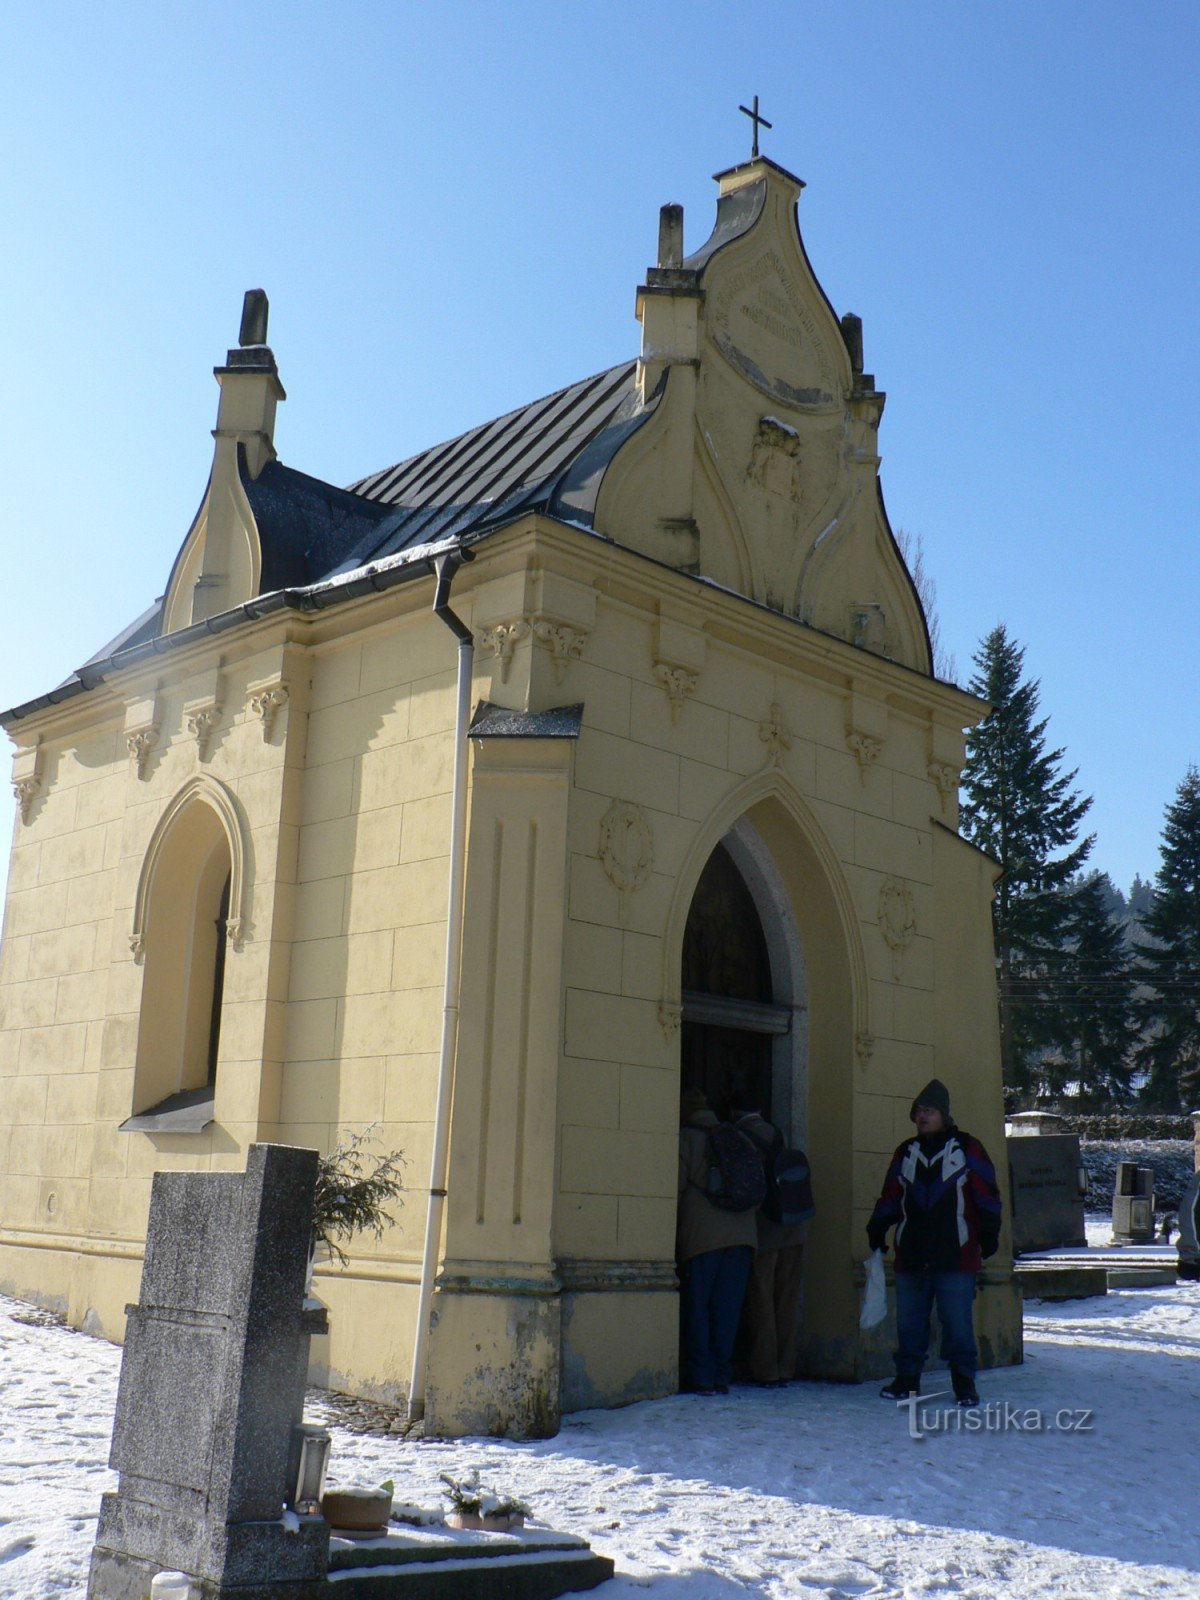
point(817, 1490)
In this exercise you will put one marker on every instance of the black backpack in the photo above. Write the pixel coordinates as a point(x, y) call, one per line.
point(736, 1180)
point(789, 1196)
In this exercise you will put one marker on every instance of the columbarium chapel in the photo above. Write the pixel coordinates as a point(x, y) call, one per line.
point(495, 800)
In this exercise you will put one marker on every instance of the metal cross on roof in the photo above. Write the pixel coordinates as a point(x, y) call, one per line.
point(755, 119)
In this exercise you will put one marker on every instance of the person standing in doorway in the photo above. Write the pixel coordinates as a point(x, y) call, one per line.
point(772, 1314)
point(715, 1251)
point(940, 1192)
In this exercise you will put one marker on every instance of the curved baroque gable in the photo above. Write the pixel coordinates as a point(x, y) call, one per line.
point(760, 466)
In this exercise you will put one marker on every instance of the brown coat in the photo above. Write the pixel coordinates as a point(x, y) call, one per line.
point(702, 1225)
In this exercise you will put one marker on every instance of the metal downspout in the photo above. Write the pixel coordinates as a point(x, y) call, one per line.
point(446, 566)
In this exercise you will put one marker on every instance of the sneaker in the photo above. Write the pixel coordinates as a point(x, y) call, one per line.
point(965, 1391)
point(901, 1387)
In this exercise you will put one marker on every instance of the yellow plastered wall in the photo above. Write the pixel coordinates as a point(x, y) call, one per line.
point(71, 981)
point(756, 738)
point(700, 715)
point(364, 1000)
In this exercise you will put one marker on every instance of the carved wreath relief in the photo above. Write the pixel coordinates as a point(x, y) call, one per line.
point(897, 919)
point(626, 849)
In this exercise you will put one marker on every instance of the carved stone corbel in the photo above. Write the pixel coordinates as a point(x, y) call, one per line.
point(677, 683)
point(140, 742)
point(945, 778)
point(670, 1018)
point(773, 733)
point(564, 643)
point(500, 639)
point(26, 792)
point(201, 720)
point(26, 779)
point(235, 932)
point(266, 702)
point(865, 751)
point(864, 1047)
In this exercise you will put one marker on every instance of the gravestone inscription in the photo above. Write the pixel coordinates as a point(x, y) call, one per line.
point(1047, 1190)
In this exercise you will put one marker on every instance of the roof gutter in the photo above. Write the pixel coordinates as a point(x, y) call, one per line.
point(317, 597)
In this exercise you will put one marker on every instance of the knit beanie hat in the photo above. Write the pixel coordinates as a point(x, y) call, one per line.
point(935, 1095)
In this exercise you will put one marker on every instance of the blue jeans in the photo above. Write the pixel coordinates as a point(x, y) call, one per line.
point(712, 1287)
point(915, 1296)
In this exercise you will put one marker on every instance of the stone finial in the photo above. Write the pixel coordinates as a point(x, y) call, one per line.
point(670, 236)
point(255, 309)
point(852, 336)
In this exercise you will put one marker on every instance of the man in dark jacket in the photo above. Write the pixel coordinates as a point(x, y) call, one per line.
point(941, 1193)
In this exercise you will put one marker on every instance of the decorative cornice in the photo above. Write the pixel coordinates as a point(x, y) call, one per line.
point(580, 1276)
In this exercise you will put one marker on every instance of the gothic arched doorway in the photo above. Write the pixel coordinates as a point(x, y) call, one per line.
point(739, 987)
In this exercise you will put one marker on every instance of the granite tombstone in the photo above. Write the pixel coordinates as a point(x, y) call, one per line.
point(1048, 1184)
point(212, 1391)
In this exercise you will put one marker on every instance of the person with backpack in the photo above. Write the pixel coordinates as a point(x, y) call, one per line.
point(940, 1191)
point(772, 1313)
point(721, 1185)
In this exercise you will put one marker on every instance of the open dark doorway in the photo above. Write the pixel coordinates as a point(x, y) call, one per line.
point(729, 1018)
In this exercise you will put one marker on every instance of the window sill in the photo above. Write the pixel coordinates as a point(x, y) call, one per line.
point(187, 1111)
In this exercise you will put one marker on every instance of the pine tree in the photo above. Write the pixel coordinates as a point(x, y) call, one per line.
point(1169, 959)
point(1020, 807)
point(1094, 1000)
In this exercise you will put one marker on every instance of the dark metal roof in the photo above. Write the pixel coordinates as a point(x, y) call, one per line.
point(498, 722)
point(521, 461)
point(548, 456)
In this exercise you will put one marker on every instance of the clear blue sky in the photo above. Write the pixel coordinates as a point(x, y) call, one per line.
point(450, 207)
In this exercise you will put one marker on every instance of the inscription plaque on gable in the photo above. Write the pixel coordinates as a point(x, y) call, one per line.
point(763, 329)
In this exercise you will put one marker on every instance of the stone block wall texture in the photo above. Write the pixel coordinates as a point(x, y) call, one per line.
point(333, 1004)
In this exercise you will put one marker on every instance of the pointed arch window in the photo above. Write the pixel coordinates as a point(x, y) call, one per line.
point(185, 921)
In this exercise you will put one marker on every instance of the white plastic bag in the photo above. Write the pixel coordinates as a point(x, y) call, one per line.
point(874, 1306)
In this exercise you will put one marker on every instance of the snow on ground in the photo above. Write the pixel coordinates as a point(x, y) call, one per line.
point(818, 1490)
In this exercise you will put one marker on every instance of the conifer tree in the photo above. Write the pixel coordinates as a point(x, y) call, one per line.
point(1094, 1000)
point(1019, 806)
point(1169, 959)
